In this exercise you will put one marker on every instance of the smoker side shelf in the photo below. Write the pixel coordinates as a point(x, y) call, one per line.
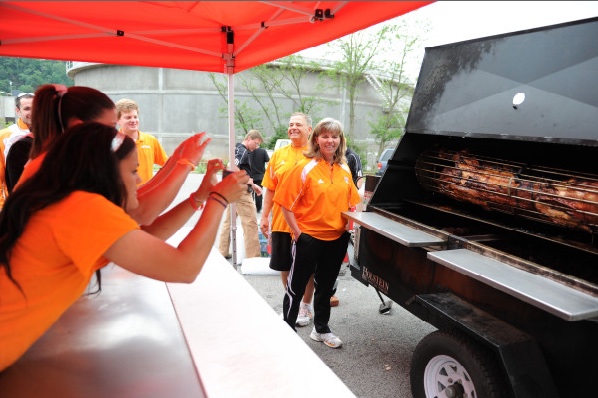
point(396, 231)
point(555, 298)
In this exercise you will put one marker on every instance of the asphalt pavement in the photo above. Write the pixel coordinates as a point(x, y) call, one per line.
point(375, 357)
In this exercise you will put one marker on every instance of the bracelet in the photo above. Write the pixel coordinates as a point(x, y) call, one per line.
point(187, 162)
point(219, 194)
point(218, 200)
point(193, 200)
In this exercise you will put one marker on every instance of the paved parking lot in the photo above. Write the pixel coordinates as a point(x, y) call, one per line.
point(376, 353)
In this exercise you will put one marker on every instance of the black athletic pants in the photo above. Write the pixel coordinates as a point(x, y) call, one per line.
point(323, 259)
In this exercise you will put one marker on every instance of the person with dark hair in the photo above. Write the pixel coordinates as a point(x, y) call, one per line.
point(312, 195)
point(79, 198)
point(55, 108)
point(354, 163)
point(258, 159)
point(245, 206)
point(11, 134)
point(276, 228)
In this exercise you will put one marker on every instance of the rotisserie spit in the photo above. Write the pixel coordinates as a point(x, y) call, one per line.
point(557, 196)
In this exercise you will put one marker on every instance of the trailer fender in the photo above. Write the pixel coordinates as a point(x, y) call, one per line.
point(516, 352)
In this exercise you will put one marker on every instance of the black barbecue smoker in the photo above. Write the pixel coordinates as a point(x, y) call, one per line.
point(485, 222)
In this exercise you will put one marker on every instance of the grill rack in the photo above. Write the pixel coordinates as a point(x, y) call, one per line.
point(561, 197)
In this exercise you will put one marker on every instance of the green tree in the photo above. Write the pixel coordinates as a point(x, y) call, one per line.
point(285, 78)
point(26, 75)
point(359, 148)
point(266, 85)
point(379, 55)
point(294, 70)
point(387, 128)
point(261, 83)
point(357, 52)
point(246, 117)
point(394, 85)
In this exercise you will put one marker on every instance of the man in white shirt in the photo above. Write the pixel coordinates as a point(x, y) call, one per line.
point(13, 133)
point(24, 104)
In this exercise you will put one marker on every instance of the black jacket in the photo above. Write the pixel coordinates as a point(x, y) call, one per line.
point(17, 157)
point(258, 160)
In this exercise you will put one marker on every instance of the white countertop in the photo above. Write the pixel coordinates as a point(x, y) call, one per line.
point(240, 346)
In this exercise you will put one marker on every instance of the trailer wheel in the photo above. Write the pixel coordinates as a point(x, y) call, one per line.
point(449, 365)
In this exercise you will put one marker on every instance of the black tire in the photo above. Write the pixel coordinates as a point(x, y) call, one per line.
point(446, 362)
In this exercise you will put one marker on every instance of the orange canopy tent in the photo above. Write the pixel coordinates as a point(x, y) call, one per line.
point(212, 36)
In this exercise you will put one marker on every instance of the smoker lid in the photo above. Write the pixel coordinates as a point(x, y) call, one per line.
point(539, 85)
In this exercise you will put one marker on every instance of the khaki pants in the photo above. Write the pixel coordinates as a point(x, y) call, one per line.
point(247, 212)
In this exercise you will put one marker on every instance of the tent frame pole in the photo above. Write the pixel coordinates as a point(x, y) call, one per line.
point(231, 155)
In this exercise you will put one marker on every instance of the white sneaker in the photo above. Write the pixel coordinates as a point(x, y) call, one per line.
point(306, 314)
point(327, 338)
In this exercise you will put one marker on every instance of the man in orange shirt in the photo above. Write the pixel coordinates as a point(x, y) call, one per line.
point(279, 232)
point(149, 149)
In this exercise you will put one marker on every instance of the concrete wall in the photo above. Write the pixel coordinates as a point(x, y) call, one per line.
point(7, 110)
point(175, 103)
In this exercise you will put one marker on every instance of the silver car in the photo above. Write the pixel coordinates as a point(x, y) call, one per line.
point(383, 160)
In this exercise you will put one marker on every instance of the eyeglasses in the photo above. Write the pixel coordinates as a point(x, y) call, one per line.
point(24, 94)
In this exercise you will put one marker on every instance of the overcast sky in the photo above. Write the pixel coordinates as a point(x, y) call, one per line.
point(453, 21)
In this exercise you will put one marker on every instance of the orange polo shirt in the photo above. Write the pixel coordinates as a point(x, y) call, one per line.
point(317, 193)
point(53, 261)
point(282, 160)
point(149, 152)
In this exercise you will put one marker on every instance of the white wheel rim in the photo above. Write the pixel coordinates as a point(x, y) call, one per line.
point(442, 372)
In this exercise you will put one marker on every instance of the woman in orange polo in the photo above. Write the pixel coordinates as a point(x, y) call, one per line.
point(312, 196)
point(70, 219)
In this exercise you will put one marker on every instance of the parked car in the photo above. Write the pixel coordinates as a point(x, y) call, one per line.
point(282, 142)
point(383, 160)
point(279, 144)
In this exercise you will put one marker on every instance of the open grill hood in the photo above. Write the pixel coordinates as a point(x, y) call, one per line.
point(525, 113)
point(498, 88)
point(531, 110)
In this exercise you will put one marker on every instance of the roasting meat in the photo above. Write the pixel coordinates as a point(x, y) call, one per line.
point(547, 195)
